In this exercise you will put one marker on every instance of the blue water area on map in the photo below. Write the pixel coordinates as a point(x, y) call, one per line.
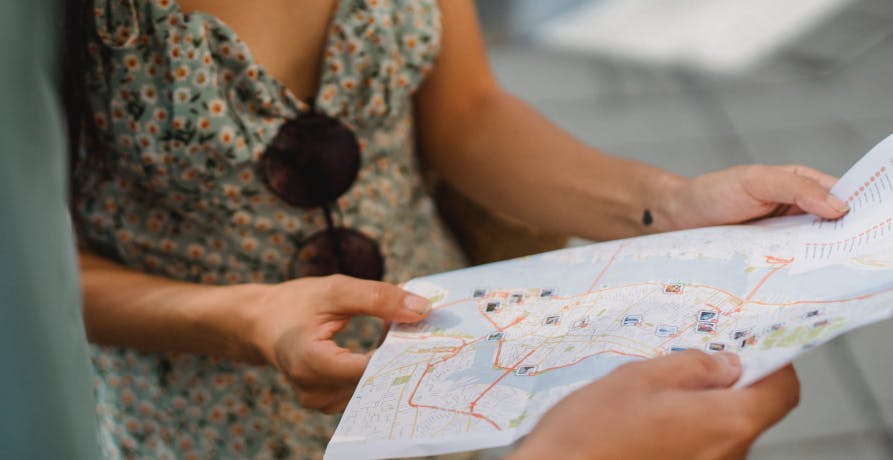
point(828, 283)
point(590, 369)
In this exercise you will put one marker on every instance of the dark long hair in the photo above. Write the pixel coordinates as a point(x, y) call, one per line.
point(82, 131)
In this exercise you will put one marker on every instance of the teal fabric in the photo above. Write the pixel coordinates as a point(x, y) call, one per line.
point(46, 399)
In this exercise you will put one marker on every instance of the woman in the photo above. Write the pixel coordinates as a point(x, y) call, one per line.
point(237, 157)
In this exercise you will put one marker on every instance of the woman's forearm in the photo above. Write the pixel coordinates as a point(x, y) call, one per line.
point(506, 156)
point(130, 309)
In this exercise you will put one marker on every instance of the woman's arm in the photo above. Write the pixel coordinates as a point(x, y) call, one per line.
point(505, 155)
point(131, 309)
point(289, 325)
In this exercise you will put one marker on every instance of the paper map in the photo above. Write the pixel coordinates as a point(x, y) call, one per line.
point(506, 341)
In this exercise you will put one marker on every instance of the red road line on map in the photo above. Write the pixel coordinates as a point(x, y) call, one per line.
point(427, 406)
point(504, 374)
point(487, 317)
point(459, 349)
point(498, 352)
point(633, 355)
point(513, 323)
point(450, 304)
point(607, 266)
point(733, 297)
point(782, 263)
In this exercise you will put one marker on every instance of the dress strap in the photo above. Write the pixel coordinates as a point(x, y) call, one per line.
point(117, 23)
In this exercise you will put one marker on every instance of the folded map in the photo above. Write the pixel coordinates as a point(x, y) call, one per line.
point(506, 341)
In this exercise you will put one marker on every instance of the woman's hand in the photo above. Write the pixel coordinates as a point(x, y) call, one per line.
point(677, 406)
point(745, 193)
point(294, 324)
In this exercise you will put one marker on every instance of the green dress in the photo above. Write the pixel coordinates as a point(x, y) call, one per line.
point(187, 114)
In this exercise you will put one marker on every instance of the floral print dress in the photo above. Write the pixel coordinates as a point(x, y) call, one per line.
point(187, 113)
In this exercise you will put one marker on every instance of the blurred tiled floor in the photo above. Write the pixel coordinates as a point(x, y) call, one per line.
point(824, 114)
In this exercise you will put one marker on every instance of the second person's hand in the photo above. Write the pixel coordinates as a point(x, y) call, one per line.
point(675, 407)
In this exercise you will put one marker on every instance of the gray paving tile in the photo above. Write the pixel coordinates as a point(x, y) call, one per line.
point(871, 350)
point(536, 76)
point(826, 407)
point(831, 147)
point(778, 107)
point(655, 119)
point(877, 7)
point(873, 130)
point(851, 446)
point(687, 157)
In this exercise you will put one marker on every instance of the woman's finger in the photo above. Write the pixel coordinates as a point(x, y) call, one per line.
point(783, 186)
point(352, 296)
point(825, 180)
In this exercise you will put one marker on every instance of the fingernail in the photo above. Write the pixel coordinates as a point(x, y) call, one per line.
point(836, 203)
point(417, 304)
point(730, 361)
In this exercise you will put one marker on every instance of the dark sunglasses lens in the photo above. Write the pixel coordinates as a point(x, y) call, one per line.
point(312, 160)
point(360, 255)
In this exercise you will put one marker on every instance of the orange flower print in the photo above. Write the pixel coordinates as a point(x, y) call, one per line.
point(216, 107)
point(124, 236)
point(246, 176)
point(249, 244)
point(182, 95)
point(201, 78)
point(161, 115)
point(132, 62)
point(132, 425)
point(410, 41)
point(167, 245)
point(270, 256)
point(117, 112)
point(152, 128)
point(329, 92)
point(204, 124)
point(226, 135)
point(217, 415)
point(164, 4)
point(185, 443)
point(213, 259)
point(101, 121)
point(263, 224)
point(181, 73)
point(176, 52)
point(127, 397)
point(125, 141)
point(195, 251)
point(153, 262)
point(241, 218)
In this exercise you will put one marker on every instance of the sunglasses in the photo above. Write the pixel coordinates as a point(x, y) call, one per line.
point(313, 160)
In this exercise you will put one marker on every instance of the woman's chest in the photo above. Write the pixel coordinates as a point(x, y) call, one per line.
point(286, 37)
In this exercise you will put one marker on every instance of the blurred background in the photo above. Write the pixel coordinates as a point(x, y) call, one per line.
point(698, 85)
